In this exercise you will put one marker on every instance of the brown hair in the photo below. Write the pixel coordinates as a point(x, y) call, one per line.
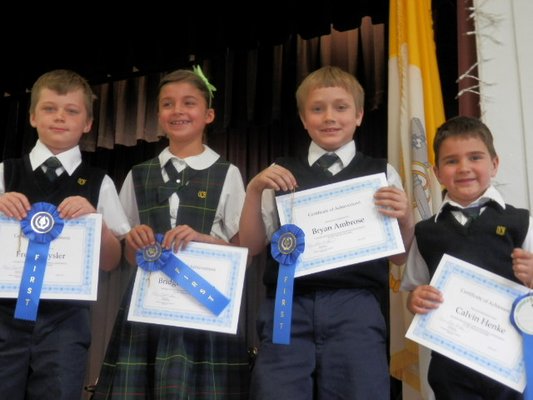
point(62, 81)
point(463, 127)
point(185, 75)
point(330, 76)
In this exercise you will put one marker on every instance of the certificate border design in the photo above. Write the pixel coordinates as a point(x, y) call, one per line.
point(226, 321)
point(453, 266)
point(391, 243)
point(86, 288)
point(87, 275)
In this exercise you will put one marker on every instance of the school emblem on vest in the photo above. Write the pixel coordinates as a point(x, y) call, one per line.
point(500, 230)
point(82, 181)
point(202, 194)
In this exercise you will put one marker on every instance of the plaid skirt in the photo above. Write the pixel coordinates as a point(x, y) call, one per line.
point(147, 361)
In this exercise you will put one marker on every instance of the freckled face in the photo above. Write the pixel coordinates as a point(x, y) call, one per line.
point(465, 168)
point(330, 117)
point(60, 119)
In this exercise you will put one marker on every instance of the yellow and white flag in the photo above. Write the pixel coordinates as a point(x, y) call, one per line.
point(415, 110)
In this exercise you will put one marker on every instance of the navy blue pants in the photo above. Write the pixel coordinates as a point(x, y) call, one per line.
point(45, 359)
point(450, 380)
point(338, 350)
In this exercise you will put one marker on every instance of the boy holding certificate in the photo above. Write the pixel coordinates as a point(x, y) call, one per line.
point(338, 338)
point(187, 193)
point(474, 224)
point(45, 358)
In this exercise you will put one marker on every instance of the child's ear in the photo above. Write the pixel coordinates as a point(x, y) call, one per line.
point(495, 163)
point(303, 120)
point(32, 120)
point(359, 117)
point(210, 115)
point(436, 172)
point(88, 126)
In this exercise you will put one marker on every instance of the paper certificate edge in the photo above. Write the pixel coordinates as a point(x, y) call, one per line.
point(323, 264)
point(88, 292)
point(518, 384)
point(136, 315)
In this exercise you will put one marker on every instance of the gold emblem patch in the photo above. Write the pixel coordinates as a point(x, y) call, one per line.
point(82, 181)
point(202, 194)
point(500, 230)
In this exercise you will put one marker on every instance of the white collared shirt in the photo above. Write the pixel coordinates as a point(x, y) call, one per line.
point(226, 222)
point(70, 159)
point(490, 194)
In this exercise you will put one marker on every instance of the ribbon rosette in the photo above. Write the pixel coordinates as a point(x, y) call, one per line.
point(288, 244)
point(41, 225)
point(154, 258)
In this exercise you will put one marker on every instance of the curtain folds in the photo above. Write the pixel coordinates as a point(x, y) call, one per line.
point(125, 112)
point(257, 85)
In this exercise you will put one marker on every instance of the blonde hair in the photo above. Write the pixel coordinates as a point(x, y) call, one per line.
point(330, 76)
point(62, 81)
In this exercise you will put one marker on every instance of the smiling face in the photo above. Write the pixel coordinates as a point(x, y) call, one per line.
point(60, 119)
point(330, 116)
point(183, 116)
point(465, 167)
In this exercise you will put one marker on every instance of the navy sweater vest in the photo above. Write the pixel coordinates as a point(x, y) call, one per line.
point(85, 181)
point(486, 241)
point(372, 275)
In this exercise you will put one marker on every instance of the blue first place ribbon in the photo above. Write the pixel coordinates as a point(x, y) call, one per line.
point(42, 225)
point(287, 244)
point(155, 258)
point(522, 319)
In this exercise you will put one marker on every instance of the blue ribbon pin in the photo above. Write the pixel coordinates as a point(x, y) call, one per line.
point(42, 225)
point(522, 320)
point(287, 244)
point(155, 258)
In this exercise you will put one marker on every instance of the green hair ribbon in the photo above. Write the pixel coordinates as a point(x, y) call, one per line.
point(210, 88)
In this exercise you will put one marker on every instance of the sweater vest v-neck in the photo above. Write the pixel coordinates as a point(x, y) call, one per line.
point(486, 241)
point(372, 274)
point(85, 181)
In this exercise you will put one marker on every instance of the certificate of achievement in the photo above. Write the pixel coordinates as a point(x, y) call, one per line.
point(341, 223)
point(73, 259)
point(473, 326)
point(159, 300)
